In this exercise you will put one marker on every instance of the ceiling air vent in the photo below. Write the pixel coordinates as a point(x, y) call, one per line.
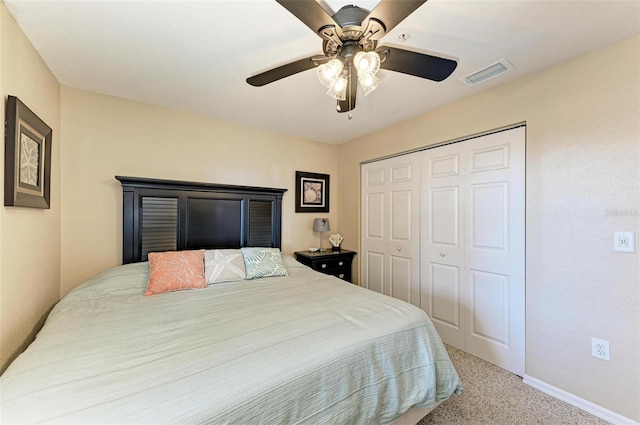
point(487, 73)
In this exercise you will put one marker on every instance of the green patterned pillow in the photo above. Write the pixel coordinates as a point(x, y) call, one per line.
point(263, 262)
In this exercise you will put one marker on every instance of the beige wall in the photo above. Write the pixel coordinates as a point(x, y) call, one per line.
point(583, 183)
point(106, 136)
point(29, 238)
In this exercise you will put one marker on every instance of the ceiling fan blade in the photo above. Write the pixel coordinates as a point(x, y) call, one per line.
point(416, 64)
point(310, 13)
point(352, 89)
point(391, 13)
point(283, 71)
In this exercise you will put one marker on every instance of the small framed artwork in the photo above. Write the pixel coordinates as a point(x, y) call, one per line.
point(312, 192)
point(27, 157)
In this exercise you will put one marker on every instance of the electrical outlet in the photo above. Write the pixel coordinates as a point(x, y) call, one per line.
point(624, 241)
point(600, 349)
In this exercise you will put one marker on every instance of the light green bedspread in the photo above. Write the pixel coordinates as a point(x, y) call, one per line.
point(303, 349)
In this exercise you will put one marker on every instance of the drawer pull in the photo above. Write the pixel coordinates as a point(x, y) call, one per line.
point(341, 275)
point(341, 263)
point(324, 266)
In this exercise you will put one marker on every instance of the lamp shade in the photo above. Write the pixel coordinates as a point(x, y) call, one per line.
point(321, 225)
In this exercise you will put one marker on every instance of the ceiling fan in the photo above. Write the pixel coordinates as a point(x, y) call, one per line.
point(351, 51)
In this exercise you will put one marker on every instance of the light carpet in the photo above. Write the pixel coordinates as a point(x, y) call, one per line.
point(494, 396)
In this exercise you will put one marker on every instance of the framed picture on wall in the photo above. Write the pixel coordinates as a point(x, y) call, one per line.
point(27, 159)
point(312, 192)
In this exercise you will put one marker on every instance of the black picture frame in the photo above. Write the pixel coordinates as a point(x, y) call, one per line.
point(27, 157)
point(312, 192)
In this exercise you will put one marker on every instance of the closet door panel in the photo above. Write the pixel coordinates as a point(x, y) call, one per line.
point(489, 210)
point(390, 227)
point(374, 271)
point(400, 251)
point(374, 229)
point(494, 253)
point(400, 277)
point(473, 245)
point(490, 299)
point(401, 216)
point(445, 286)
point(445, 210)
point(375, 216)
point(441, 249)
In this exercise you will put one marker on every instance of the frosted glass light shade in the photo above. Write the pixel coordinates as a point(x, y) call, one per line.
point(368, 82)
point(368, 62)
point(328, 72)
point(339, 90)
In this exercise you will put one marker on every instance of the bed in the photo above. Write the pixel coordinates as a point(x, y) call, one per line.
point(305, 348)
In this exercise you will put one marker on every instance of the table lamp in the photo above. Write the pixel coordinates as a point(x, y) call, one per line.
point(321, 225)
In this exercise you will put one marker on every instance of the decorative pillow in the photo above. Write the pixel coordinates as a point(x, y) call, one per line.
point(223, 265)
point(175, 270)
point(263, 262)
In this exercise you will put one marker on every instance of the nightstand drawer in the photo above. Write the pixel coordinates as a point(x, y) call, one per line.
point(331, 264)
point(341, 273)
point(334, 263)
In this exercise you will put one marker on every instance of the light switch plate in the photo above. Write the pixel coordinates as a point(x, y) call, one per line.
point(624, 241)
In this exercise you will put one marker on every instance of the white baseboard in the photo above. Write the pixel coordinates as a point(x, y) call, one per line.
point(578, 402)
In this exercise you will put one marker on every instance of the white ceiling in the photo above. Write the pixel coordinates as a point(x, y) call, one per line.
point(195, 55)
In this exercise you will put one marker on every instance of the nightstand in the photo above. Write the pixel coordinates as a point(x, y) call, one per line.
point(335, 263)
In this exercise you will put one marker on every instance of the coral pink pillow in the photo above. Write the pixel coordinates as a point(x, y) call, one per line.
point(175, 270)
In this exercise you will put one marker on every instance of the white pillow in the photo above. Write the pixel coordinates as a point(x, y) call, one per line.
point(223, 265)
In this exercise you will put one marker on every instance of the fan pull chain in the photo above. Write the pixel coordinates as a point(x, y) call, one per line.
point(350, 88)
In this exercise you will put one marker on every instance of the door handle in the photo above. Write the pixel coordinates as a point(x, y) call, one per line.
point(442, 254)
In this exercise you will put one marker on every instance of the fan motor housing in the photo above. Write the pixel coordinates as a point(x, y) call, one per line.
point(350, 19)
point(350, 15)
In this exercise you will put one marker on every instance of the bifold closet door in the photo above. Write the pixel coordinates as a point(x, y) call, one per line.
point(390, 244)
point(473, 241)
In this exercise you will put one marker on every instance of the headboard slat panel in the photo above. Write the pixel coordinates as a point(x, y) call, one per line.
point(159, 225)
point(260, 223)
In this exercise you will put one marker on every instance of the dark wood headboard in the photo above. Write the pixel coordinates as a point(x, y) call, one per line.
point(167, 215)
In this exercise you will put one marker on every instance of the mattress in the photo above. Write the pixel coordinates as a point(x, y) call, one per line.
point(303, 349)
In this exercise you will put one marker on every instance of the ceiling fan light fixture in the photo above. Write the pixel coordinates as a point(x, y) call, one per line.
point(368, 82)
point(329, 72)
point(350, 49)
point(339, 90)
point(367, 62)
